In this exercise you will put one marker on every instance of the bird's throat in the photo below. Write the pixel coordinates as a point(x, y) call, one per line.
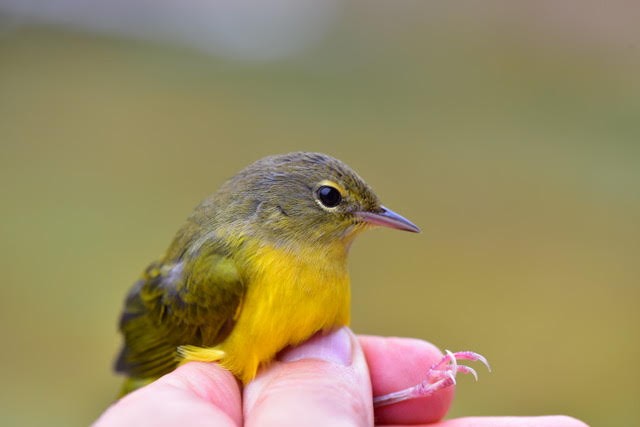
point(290, 297)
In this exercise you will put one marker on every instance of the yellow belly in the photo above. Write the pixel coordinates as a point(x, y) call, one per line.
point(289, 298)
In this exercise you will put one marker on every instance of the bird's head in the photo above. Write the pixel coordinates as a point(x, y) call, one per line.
point(301, 198)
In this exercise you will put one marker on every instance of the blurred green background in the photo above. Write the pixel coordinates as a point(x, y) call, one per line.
point(510, 134)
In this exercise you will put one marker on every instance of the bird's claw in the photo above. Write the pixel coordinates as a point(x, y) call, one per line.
point(467, 355)
point(440, 376)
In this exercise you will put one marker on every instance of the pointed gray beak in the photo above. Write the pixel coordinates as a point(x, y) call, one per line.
point(388, 218)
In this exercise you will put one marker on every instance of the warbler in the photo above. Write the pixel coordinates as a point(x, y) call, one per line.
point(259, 265)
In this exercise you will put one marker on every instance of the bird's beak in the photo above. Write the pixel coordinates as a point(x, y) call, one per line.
point(387, 218)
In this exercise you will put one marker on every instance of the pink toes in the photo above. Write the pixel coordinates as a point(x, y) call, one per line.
point(441, 375)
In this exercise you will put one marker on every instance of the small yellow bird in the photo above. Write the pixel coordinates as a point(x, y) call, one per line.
point(259, 265)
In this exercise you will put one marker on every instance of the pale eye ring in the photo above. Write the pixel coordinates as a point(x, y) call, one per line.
point(329, 196)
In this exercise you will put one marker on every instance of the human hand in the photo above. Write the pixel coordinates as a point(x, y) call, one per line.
point(327, 381)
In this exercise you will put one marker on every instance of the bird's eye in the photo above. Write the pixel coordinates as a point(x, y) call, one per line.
point(329, 196)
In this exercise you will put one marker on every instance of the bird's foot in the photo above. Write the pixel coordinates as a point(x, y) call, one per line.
point(440, 376)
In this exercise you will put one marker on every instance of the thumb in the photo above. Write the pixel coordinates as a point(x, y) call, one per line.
point(324, 381)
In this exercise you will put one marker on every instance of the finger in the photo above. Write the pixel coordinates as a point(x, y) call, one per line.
point(545, 421)
point(195, 394)
point(398, 363)
point(323, 382)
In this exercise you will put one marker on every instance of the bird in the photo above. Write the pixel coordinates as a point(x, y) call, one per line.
point(259, 265)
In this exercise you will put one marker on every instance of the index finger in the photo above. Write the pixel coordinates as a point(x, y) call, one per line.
point(195, 394)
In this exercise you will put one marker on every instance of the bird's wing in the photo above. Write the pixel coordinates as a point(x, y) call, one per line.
point(193, 302)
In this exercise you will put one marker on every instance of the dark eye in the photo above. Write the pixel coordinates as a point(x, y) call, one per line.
point(329, 196)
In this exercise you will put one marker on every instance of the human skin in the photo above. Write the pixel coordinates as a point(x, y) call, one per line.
point(329, 380)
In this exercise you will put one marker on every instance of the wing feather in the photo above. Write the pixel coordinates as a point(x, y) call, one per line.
point(190, 302)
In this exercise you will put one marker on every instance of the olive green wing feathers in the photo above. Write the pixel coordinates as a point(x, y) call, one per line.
point(190, 302)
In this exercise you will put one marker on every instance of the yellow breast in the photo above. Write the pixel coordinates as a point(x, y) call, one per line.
point(290, 296)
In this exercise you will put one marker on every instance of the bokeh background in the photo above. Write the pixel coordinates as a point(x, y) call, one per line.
point(509, 131)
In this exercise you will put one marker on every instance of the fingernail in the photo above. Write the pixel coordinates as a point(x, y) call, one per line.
point(334, 347)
